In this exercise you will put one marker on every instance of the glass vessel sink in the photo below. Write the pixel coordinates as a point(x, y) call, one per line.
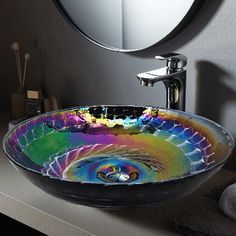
point(118, 156)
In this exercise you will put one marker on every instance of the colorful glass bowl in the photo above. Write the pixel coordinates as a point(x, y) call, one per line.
point(118, 156)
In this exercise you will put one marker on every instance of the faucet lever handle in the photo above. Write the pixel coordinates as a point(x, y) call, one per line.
point(173, 60)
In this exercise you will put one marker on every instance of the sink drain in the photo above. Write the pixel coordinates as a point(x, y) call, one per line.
point(117, 174)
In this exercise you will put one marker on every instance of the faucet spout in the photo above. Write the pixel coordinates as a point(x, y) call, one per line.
point(174, 78)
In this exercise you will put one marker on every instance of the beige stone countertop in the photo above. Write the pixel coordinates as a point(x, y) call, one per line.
point(21, 200)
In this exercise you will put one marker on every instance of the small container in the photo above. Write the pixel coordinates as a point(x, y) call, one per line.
point(18, 103)
point(34, 107)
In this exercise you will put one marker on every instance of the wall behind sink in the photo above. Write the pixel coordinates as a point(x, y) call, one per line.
point(66, 65)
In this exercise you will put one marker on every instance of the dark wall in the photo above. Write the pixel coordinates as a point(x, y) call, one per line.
point(68, 66)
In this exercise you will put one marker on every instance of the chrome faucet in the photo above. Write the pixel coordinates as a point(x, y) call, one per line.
point(173, 76)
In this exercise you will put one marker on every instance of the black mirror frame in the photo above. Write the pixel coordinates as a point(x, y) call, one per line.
point(185, 21)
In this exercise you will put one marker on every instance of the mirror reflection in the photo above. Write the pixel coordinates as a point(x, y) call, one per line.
point(126, 24)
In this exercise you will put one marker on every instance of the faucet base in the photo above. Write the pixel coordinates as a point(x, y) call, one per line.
point(175, 92)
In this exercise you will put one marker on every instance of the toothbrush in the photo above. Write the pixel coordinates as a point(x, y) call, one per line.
point(19, 61)
point(15, 47)
point(27, 58)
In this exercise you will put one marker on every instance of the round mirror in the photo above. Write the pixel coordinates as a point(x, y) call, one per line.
point(128, 25)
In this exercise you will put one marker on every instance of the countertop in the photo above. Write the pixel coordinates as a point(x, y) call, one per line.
point(21, 200)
